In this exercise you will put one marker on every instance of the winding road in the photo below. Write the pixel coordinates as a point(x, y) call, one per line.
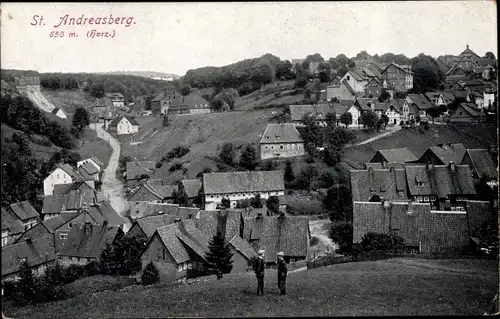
point(112, 187)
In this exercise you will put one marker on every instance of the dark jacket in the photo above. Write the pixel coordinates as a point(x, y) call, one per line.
point(259, 268)
point(282, 268)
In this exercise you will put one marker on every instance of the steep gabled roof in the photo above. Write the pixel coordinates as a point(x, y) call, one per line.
point(243, 247)
point(420, 101)
point(483, 163)
point(472, 109)
point(24, 210)
point(281, 133)
point(13, 225)
point(243, 182)
point(388, 183)
point(117, 120)
point(38, 251)
point(89, 169)
point(88, 241)
point(447, 153)
point(191, 187)
point(153, 209)
point(150, 224)
point(107, 212)
point(397, 155)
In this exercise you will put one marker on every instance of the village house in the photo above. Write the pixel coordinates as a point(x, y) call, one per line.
point(422, 229)
point(190, 104)
point(145, 209)
point(317, 111)
point(25, 213)
point(289, 234)
point(137, 169)
point(38, 253)
point(59, 112)
point(394, 110)
point(151, 193)
point(68, 198)
point(444, 187)
point(339, 109)
point(468, 59)
point(133, 110)
point(117, 99)
point(123, 125)
point(482, 165)
point(373, 88)
point(433, 97)
point(176, 250)
point(416, 105)
point(145, 227)
point(443, 154)
point(241, 185)
point(341, 91)
point(243, 253)
point(489, 98)
point(190, 187)
point(354, 109)
point(375, 184)
point(65, 174)
point(467, 113)
point(394, 155)
point(356, 80)
point(11, 228)
point(86, 242)
point(281, 141)
point(27, 83)
point(399, 78)
point(161, 103)
point(93, 160)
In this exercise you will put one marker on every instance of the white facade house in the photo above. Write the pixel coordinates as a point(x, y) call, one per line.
point(281, 141)
point(356, 80)
point(488, 99)
point(117, 98)
point(124, 125)
point(356, 114)
point(237, 186)
point(63, 174)
point(93, 161)
point(393, 115)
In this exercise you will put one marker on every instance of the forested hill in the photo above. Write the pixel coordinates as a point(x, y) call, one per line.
point(247, 72)
point(147, 74)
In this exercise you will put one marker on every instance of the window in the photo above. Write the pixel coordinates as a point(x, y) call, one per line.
point(190, 265)
point(348, 78)
point(190, 216)
point(70, 225)
point(420, 184)
point(164, 254)
point(63, 236)
point(265, 147)
point(426, 198)
point(461, 113)
point(281, 146)
point(23, 260)
point(184, 266)
point(179, 268)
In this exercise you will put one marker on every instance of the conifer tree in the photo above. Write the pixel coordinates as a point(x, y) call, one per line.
point(219, 255)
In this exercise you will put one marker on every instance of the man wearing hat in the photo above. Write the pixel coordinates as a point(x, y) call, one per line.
point(282, 270)
point(259, 272)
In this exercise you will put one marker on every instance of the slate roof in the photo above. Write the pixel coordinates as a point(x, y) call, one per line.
point(13, 225)
point(243, 182)
point(89, 169)
point(168, 235)
point(24, 210)
point(243, 247)
point(46, 227)
point(281, 133)
point(348, 86)
point(191, 187)
point(137, 168)
point(90, 243)
point(384, 165)
point(97, 161)
point(470, 108)
point(233, 223)
point(160, 191)
point(190, 101)
point(388, 183)
point(208, 222)
point(396, 155)
point(103, 102)
point(153, 209)
point(69, 197)
point(319, 111)
point(52, 204)
point(163, 95)
point(448, 152)
point(117, 120)
point(39, 251)
point(421, 101)
point(150, 224)
point(107, 212)
point(364, 103)
point(289, 234)
point(357, 74)
point(76, 175)
point(398, 104)
point(483, 163)
point(440, 180)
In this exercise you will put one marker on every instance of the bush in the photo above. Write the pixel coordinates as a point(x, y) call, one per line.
point(381, 242)
point(150, 275)
point(175, 167)
point(159, 165)
point(91, 269)
point(176, 152)
point(341, 233)
point(73, 272)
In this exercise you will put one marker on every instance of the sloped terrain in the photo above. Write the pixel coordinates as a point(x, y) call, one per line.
point(393, 287)
point(40, 101)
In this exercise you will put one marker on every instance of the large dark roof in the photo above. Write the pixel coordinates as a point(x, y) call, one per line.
point(387, 183)
point(150, 224)
point(191, 187)
point(397, 155)
point(447, 153)
point(37, 252)
point(10, 223)
point(24, 210)
point(483, 163)
point(243, 247)
point(88, 240)
point(243, 182)
point(281, 133)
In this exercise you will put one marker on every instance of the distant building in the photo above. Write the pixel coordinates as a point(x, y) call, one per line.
point(59, 112)
point(341, 91)
point(443, 154)
point(481, 164)
point(318, 111)
point(394, 155)
point(467, 113)
point(190, 104)
point(374, 184)
point(373, 88)
point(161, 103)
point(416, 105)
point(24, 83)
point(145, 227)
point(399, 78)
point(117, 98)
point(97, 163)
point(281, 140)
point(11, 228)
point(190, 187)
point(241, 185)
point(25, 213)
point(356, 80)
point(123, 125)
point(64, 174)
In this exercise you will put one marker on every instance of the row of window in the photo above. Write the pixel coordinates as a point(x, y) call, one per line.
point(185, 266)
point(288, 147)
point(244, 194)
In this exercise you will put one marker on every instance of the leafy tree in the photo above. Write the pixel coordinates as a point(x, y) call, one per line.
point(248, 158)
point(384, 96)
point(186, 90)
point(284, 70)
point(341, 234)
point(338, 202)
point(289, 175)
point(227, 153)
point(385, 119)
point(150, 275)
point(81, 119)
point(307, 94)
point(434, 112)
point(490, 55)
point(327, 179)
point(427, 75)
point(346, 119)
point(219, 255)
point(331, 119)
point(306, 176)
point(273, 204)
point(369, 119)
point(216, 105)
point(97, 90)
point(331, 156)
point(26, 286)
point(256, 201)
point(270, 166)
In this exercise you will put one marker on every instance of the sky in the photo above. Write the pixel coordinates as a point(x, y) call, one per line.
point(176, 37)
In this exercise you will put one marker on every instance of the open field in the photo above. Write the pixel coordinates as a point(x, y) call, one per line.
point(399, 286)
point(68, 100)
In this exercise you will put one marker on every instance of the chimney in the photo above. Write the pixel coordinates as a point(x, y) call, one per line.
point(452, 166)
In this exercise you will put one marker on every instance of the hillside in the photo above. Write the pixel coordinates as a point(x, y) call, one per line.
point(68, 100)
point(470, 136)
point(146, 74)
point(393, 287)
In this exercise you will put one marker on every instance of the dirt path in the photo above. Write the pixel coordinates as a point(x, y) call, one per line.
point(430, 264)
point(112, 187)
point(390, 130)
point(319, 231)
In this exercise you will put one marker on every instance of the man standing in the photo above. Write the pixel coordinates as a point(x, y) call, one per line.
point(259, 272)
point(282, 271)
